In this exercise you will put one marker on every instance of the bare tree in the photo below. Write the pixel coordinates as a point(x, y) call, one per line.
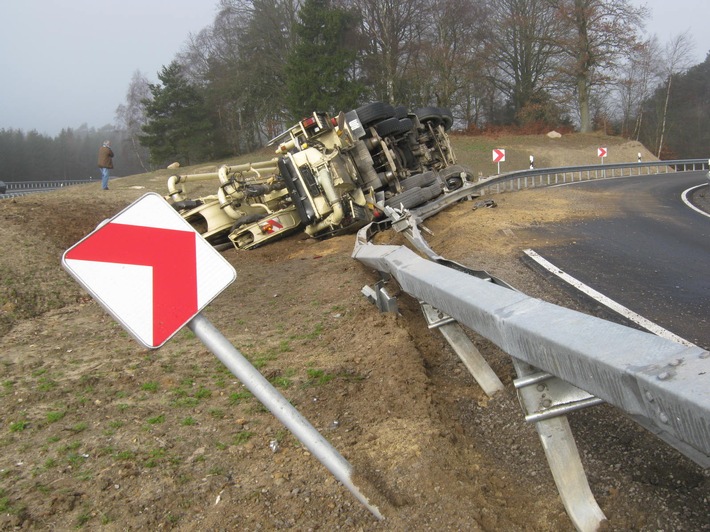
point(636, 78)
point(452, 65)
point(131, 116)
point(392, 31)
point(676, 59)
point(523, 57)
point(597, 35)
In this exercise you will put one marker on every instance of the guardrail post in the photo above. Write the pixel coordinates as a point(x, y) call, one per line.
point(560, 448)
point(464, 348)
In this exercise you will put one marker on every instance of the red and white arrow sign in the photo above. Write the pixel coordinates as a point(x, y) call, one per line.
point(601, 152)
point(498, 155)
point(149, 269)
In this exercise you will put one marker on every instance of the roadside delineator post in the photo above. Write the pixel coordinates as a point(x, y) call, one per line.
point(153, 273)
point(602, 153)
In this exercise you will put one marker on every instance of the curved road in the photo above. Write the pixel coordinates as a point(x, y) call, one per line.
point(652, 257)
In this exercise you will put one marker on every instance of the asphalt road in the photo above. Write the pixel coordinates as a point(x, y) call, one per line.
point(653, 257)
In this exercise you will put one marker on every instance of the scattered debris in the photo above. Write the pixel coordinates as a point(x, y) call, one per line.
point(484, 203)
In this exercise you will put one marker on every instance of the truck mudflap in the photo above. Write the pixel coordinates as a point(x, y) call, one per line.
point(297, 190)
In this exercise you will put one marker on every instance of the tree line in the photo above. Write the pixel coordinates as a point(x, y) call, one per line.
point(71, 155)
point(524, 65)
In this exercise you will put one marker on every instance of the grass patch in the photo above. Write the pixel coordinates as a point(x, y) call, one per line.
point(154, 457)
point(53, 417)
point(156, 420)
point(19, 426)
point(203, 393)
point(217, 413)
point(242, 437)
point(149, 387)
point(318, 377)
point(237, 397)
point(188, 421)
point(125, 455)
point(281, 382)
point(45, 384)
point(80, 427)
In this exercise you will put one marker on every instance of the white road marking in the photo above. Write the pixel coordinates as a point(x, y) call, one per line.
point(604, 300)
point(684, 196)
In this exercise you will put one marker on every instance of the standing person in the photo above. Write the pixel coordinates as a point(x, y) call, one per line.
point(105, 163)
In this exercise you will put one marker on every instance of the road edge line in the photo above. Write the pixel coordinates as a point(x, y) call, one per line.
point(684, 197)
point(606, 301)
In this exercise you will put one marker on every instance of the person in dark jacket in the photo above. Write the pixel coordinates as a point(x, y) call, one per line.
point(105, 163)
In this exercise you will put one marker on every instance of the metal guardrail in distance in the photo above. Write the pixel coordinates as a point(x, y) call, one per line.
point(662, 385)
point(544, 177)
point(16, 186)
point(16, 189)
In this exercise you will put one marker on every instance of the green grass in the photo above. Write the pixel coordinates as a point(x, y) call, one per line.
point(156, 420)
point(281, 382)
point(242, 437)
point(203, 393)
point(19, 426)
point(318, 377)
point(53, 417)
point(238, 397)
point(125, 455)
point(149, 387)
point(80, 427)
point(155, 456)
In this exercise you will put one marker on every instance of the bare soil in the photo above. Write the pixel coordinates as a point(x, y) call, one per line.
point(98, 432)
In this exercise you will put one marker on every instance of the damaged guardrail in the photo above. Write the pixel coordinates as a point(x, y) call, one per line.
point(662, 385)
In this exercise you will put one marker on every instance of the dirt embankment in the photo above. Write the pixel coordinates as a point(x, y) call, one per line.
point(100, 433)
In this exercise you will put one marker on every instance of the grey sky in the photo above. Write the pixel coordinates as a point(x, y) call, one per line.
point(69, 62)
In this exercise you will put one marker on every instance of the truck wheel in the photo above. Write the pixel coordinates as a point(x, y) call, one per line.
point(415, 196)
point(393, 126)
point(407, 199)
point(454, 176)
point(374, 112)
point(401, 111)
point(429, 114)
point(447, 117)
point(419, 180)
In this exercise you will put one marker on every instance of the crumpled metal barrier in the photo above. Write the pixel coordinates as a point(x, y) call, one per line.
point(661, 384)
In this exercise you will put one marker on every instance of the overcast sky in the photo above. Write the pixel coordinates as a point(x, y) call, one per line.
point(64, 63)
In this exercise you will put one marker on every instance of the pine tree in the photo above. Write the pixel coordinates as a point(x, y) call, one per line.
point(179, 127)
point(322, 70)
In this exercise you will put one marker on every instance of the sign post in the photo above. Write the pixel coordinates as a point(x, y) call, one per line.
point(498, 157)
point(154, 274)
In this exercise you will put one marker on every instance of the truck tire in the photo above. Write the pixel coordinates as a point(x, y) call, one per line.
point(447, 117)
point(401, 111)
point(454, 176)
point(374, 112)
point(414, 196)
point(430, 114)
point(422, 180)
point(393, 126)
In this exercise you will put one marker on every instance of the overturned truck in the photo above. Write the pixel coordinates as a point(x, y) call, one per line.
point(331, 175)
